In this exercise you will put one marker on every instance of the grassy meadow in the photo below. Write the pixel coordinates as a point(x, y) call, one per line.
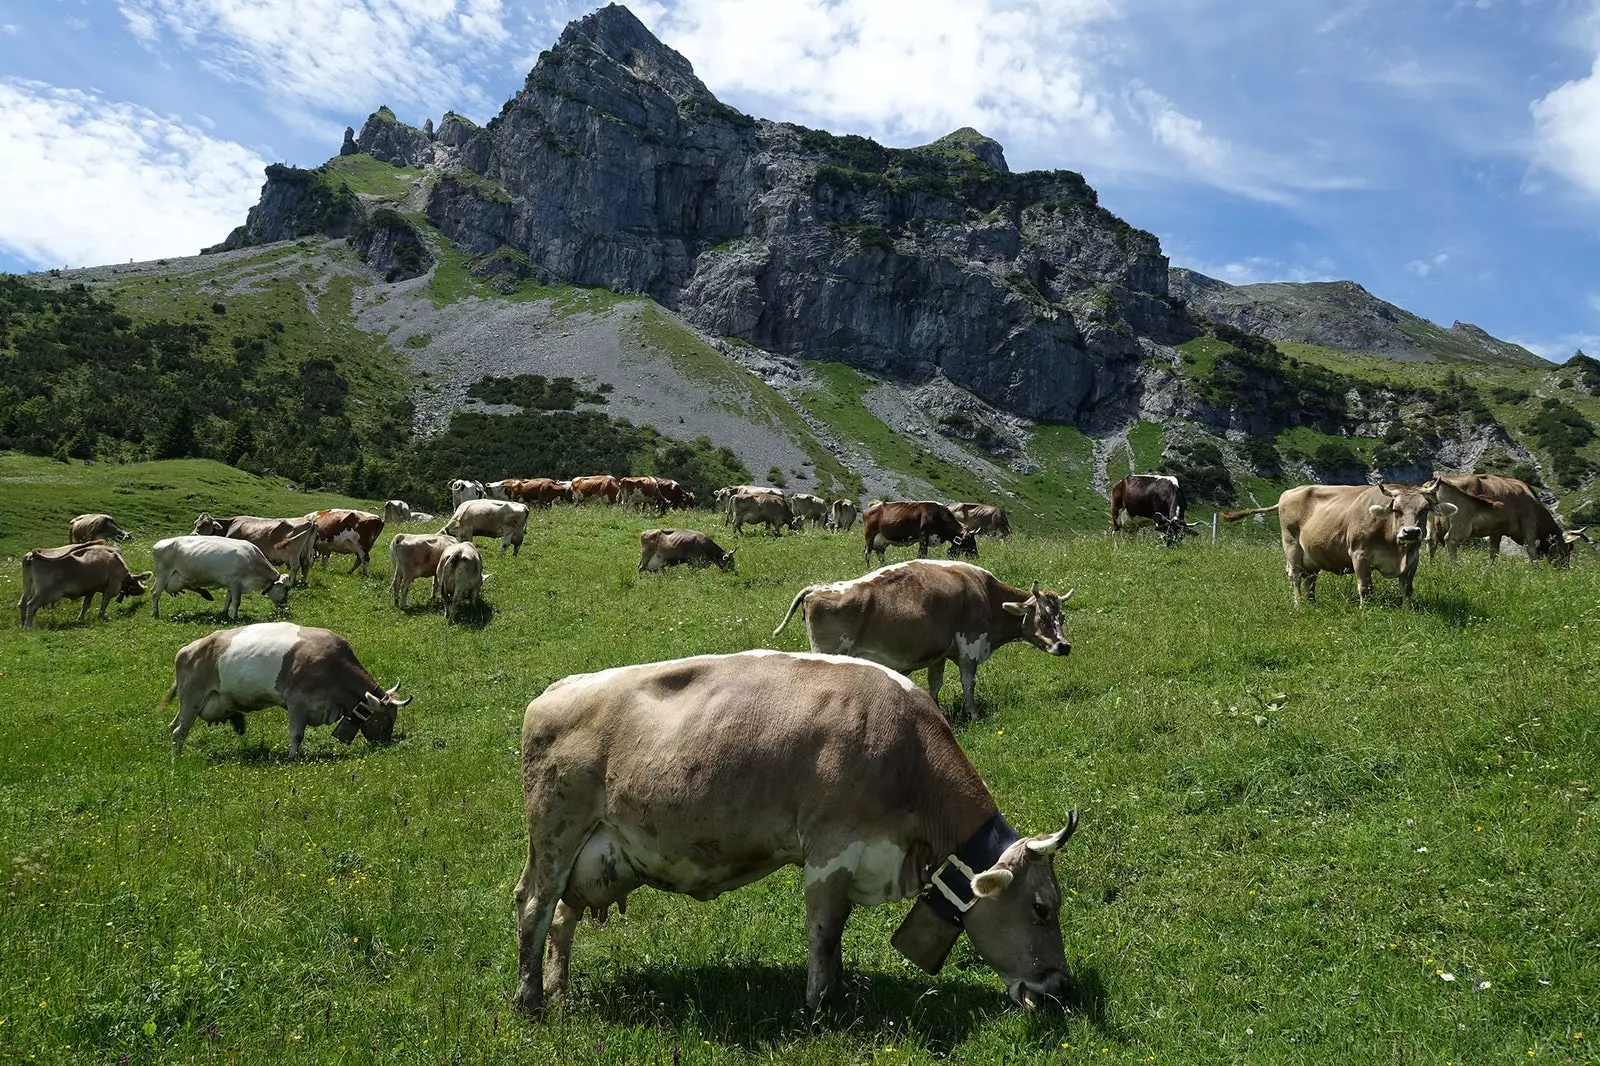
point(1328, 836)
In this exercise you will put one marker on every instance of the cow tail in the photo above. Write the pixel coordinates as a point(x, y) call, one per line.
point(1234, 516)
point(799, 599)
point(168, 698)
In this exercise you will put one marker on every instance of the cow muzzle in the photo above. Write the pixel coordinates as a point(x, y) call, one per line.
point(1409, 533)
point(1049, 993)
point(1060, 647)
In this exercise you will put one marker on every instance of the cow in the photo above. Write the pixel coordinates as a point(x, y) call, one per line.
point(917, 614)
point(640, 492)
point(918, 522)
point(842, 515)
point(414, 555)
point(760, 509)
point(347, 532)
point(603, 486)
point(663, 774)
point(396, 512)
point(51, 574)
point(462, 490)
point(661, 548)
point(723, 497)
point(673, 494)
point(1488, 505)
point(536, 491)
point(497, 490)
point(1345, 528)
point(459, 578)
point(982, 518)
point(1156, 498)
point(808, 508)
point(490, 518)
point(87, 527)
point(206, 562)
point(312, 673)
point(287, 542)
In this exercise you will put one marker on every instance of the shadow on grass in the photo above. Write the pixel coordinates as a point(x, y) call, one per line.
point(477, 616)
point(1454, 611)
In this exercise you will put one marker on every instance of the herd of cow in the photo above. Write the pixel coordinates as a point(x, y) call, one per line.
point(667, 774)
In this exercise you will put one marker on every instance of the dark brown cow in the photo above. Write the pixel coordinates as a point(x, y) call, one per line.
point(51, 574)
point(661, 548)
point(1156, 498)
point(1488, 505)
point(919, 522)
point(347, 532)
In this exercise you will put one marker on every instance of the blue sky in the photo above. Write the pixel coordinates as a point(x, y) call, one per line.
point(1444, 153)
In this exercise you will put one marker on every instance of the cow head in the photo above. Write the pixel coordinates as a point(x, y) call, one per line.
point(1410, 508)
point(1173, 530)
point(373, 717)
point(206, 526)
point(1015, 920)
point(964, 543)
point(278, 590)
point(1042, 623)
point(134, 585)
point(726, 562)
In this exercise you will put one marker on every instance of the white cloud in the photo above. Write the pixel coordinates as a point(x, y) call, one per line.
point(105, 181)
point(1423, 267)
point(1256, 269)
point(1567, 124)
point(345, 56)
point(10, 27)
point(1560, 349)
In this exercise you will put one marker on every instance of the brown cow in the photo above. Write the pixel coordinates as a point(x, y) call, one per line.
point(536, 491)
point(347, 532)
point(603, 486)
point(51, 574)
point(919, 522)
point(286, 542)
point(982, 518)
point(919, 613)
point(87, 527)
point(758, 508)
point(1345, 528)
point(1488, 505)
point(1156, 498)
point(661, 548)
point(414, 555)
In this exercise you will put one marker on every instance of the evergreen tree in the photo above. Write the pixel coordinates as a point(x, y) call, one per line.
point(178, 439)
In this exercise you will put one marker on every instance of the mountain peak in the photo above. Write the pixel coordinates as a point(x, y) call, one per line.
point(615, 33)
point(984, 147)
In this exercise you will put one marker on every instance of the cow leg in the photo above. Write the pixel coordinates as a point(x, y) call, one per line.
point(827, 910)
point(1494, 548)
point(1363, 568)
point(360, 563)
point(1293, 563)
point(922, 547)
point(969, 682)
point(558, 953)
point(1310, 581)
point(538, 891)
point(191, 707)
point(935, 679)
point(297, 727)
point(83, 609)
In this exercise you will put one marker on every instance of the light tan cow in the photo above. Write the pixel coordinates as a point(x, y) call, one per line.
point(396, 512)
point(723, 497)
point(202, 563)
point(1488, 505)
point(51, 574)
point(808, 508)
point(982, 518)
point(923, 612)
point(842, 515)
point(459, 578)
point(490, 518)
point(1345, 528)
point(87, 527)
point(661, 548)
point(668, 774)
point(287, 542)
point(414, 555)
point(761, 508)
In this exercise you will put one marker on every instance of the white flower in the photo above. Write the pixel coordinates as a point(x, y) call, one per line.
point(1446, 976)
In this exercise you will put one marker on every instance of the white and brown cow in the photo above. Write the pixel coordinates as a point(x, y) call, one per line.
point(346, 532)
point(312, 673)
point(1488, 505)
point(459, 578)
point(920, 613)
point(87, 527)
point(1154, 498)
point(414, 555)
point(596, 486)
point(1345, 528)
point(202, 563)
point(51, 574)
point(664, 774)
point(661, 548)
point(490, 518)
point(287, 542)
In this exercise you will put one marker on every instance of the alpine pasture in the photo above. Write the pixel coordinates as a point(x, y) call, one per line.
point(1334, 835)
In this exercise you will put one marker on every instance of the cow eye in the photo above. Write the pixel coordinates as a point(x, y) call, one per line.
point(1041, 911)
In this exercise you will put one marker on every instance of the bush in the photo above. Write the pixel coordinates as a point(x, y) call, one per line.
point(1336, 463)
point(1198, 465)
point(1260, 455)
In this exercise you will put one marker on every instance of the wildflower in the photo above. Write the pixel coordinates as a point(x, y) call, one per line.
point(1445, 976)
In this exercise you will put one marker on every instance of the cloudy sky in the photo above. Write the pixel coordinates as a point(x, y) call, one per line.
point(1444, 153)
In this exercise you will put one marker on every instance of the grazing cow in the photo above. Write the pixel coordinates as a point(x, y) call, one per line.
point(396, 512)
point(1345, 528)
point(673, 494)
point(918, 522)
point(982, 518)
point(664, 774)
point(462, 490)
point(287, 542)
point(842, 515)
point(761, 508)
point(536, 491)
point(490, 518)
point(919, 613)
point(87, 527)
point(601, 486)
point(206, 562)
point(723, 497)
point(51, 574)
point(1156, 498)
point(808, 508)
point(661, 548)
point(459, 578)
point(640, 492)
point(414, 555)
point(347, 532)
point(312, 673)
point(1488, 505)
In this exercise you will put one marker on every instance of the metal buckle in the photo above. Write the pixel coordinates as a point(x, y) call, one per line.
point(946, 891)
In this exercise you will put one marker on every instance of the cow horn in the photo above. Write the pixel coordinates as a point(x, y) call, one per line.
point(1036, 586)
point(392, 691)
point(1381, 487)
point(1051, 844)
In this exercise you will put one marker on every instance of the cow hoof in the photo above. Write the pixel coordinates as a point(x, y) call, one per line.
point(527, 1002)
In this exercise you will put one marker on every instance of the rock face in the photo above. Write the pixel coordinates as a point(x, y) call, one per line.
point(390, 244)
point(1341, 315)
point(295, 203)
point(386, 138)
point(616, 167)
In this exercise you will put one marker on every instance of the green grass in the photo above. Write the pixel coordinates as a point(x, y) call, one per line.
point(371, 177)
point(1416, 799)
point(1145, 441)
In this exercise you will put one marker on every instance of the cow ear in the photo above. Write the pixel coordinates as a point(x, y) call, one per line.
point(1447, 509)
point(1014, 608)
point(1378, 508)
point(1035, 587)
point(992, 881)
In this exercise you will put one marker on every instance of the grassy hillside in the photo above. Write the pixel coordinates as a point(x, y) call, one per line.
point(1296, 824)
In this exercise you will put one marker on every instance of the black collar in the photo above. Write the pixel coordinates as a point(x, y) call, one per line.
point(949, 891)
